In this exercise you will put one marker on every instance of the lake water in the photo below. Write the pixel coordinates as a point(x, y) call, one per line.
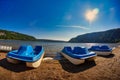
point(51, 48)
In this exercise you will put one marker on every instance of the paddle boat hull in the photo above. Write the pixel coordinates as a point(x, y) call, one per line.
point(5, 48)
point(32, 57)
point(101, 51)
point(36, 63)
point(77, 58)
point(14, 61)
point(73, 60)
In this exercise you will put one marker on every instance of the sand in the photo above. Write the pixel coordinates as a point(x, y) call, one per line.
point(103, 68)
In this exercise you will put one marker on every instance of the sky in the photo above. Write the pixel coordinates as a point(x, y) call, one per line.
point(59, 19)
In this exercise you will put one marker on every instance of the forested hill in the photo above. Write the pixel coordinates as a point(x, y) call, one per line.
point(109, 36)
point(4, 34)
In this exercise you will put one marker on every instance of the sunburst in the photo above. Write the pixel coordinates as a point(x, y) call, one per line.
point(91, 15)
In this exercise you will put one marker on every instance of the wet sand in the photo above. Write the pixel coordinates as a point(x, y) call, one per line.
point(103, 68)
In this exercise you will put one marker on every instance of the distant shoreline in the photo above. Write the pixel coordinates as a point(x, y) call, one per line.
point(42, 40)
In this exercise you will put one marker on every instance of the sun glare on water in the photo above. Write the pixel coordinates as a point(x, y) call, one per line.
point(91, 15)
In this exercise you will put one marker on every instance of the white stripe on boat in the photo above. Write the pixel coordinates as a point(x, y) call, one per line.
point(101, 53)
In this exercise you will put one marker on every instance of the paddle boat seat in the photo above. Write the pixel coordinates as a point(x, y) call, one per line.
point(79, 50)
point(102, 48)
point(95, 48)
point(25, 50)
point(68, 49)
point(105, 47)
point(37, 49)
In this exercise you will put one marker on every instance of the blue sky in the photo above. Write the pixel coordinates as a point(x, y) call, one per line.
point(59, 19)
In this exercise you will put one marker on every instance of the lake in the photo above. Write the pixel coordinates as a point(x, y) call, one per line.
point(51, 48)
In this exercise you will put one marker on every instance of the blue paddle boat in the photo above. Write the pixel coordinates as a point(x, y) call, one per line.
point(77, 55)
point(103, 50)
point(26, 53)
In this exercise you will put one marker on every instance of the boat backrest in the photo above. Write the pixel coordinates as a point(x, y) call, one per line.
point(68, 48)
point(104, 47)
point(79, 50)
point(95, 47)
point(38, 49)
point(25, 50)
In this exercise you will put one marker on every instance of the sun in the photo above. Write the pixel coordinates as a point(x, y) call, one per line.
point(91, 15)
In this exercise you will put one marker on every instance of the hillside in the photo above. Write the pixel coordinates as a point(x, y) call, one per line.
point(4, 34)
point(109, 36)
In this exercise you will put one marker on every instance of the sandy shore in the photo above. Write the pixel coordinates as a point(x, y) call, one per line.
point(103, 68)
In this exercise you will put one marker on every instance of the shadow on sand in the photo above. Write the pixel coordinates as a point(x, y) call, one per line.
point(13, 67)
point(109, 56)
point(68, 66)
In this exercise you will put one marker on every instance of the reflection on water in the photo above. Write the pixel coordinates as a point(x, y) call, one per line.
point(51, 48)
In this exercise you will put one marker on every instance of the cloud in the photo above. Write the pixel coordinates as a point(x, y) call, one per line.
point(112, 9)
point(73, 26)
point(112, 13)
point(33, 23)
point(68, 17)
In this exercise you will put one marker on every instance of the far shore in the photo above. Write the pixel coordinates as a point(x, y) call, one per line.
point(103, 68)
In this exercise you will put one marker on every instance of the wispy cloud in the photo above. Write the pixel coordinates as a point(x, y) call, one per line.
point(112, 13)
point(112, 9)
point(68, 17)
point(73, 26)
point(33, 23)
